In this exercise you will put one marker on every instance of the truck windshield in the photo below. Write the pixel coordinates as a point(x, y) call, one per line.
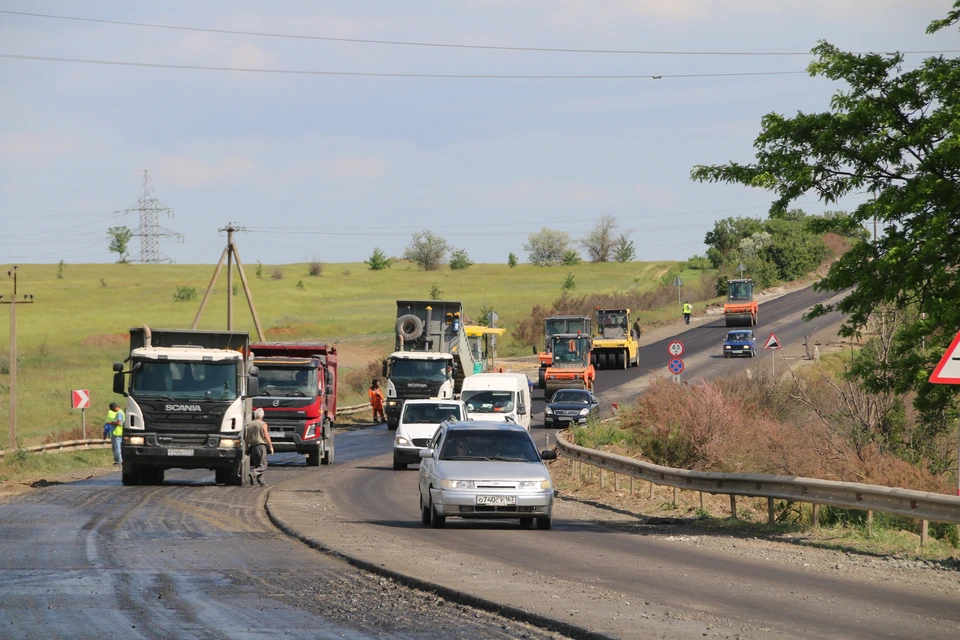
point(568, 351)
point(568, 325)
point(488, 401)
point(434, 370)
point(185, 380)
point(287, 382)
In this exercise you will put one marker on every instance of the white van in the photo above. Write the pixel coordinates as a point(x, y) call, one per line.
point(419, 420)
point(497, 396)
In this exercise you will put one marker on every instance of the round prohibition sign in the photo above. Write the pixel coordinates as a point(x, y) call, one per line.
point(675, 348)
point(676, 365)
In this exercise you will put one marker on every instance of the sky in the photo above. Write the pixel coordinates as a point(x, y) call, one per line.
point(327, 167)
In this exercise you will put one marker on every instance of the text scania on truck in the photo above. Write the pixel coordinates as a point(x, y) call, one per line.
point(187, 403)
point(298, 394)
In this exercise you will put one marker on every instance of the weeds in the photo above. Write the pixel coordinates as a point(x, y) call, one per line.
point(669, 506)
point(314, 268)
point(300, 284)
point(700, 512)
point(184, 294)
point(277, 274)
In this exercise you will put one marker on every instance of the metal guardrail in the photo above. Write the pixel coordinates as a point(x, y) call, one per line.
point(69, 445)
point(848, 495)
point(357, 408)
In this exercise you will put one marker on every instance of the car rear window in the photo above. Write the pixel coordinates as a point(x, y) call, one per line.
point(489, 444)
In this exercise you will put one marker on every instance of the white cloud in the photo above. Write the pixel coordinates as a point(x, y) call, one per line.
point(360, 168)
point(36, 148)
point(191, 172)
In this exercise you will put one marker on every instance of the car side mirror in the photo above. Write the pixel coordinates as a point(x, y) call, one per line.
point(426, 453)
point(523, 411)
point(548, 454)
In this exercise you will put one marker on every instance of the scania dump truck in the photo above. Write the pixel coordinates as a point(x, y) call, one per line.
point(555, 325)
point(431, 357)
point(298, 395)
point(188, 399)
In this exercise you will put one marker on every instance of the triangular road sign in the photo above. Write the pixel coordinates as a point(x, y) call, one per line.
point(773, 342)
point(948, 371)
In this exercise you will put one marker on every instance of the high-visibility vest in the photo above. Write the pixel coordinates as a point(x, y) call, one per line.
point(688, 308)
point(113, 416)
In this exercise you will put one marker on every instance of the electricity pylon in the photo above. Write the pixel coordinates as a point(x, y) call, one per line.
point(150, 230)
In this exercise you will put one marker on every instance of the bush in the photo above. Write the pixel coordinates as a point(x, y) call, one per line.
point(547, 247)
point(358, 380)
point(277, 274)
point(314, 268)
point(459, 260)
point(435, 292)
point(378, 260)
point(699, 263)
point(624, 251)
point(427, 249)
point(300, 284)
point(259, 270)
point(512, 260)
point(568, 283)
point(571, 258)
point(184, 294)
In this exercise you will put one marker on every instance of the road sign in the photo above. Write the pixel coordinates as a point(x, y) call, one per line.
point(676, 365)
point(80, 398)
point(773, 342)
point(948, 370)
point(675, 348)
point(678, 282)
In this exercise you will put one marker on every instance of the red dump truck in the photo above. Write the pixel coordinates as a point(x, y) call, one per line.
point(298, 395)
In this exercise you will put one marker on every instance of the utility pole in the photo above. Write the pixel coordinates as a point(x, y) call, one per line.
point(27, 299)
point(229, 254)
point(150, 231)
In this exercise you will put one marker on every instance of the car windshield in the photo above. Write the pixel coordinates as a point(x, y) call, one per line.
point(739, 336)
point(571, 397)
point(434, 370)
point(488, 401)
point(275, 381)
point(185, 380)
point(489, 444)
point(430, 413)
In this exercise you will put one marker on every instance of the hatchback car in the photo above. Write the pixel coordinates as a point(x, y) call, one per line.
point(570, 406)
point(479, 469)
point(419, 420)
point(740, 343)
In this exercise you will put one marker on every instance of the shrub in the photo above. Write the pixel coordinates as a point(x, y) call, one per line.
point(277, 274)
point(512, 260)
point(435, 292)
point(358, 380)
point(61, 267)
point(378, 260)
point(459, 260)
point(571, 258)
point(568, 283)
point(184, 294)
point(623, 250)
point(300, 284)
point(699, 263)
point(314, 268)
point(259, 270)
point(547, 247)
point(427, 249)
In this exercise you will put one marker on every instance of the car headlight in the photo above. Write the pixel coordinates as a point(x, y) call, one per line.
point(456, 484)
point(402, 442)
point(391, 403)
point(534, 484)
point(548, 411)
point(727, 346)
point(134, 440)
point(584, 412)
point(229, 443)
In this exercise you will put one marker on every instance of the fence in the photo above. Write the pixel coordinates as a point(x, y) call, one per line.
point(848, 495)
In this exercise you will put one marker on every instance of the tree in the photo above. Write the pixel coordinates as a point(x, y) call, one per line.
point(600, 242)
point(512, 260)
point(726, 236)
point(891, 133)
point(119, 242)
point(570, 258)
point(568, 283)
point(459, 260)
point(378, 260)
point(427, 249)
point(545, 248)
point(624, 251)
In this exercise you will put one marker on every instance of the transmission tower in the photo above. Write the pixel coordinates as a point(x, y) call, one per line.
point(150, 230)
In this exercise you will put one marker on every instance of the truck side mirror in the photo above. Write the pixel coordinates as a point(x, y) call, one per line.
point(253, 386)
point(383, 371)
point(534, 348)
point(118, 381)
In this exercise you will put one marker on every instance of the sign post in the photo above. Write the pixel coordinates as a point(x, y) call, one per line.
point(678, 283)
point(773, 345)
point(948, 372)
point(80, 399)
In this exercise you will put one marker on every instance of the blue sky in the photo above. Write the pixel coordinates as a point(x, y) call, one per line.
point(483, 162)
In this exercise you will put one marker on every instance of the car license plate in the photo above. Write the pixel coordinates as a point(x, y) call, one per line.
point(276, 434)
point(179, 452)
point(497, 501)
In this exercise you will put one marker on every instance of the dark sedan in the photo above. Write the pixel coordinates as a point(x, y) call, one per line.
point(570, 406)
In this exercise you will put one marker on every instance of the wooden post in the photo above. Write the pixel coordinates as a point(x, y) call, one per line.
point(869, 522)
point(206, 294)
point(12, 399)
point(674, 495)
point(589, 473)
point(816, 516)
point(923, 533)
point(616, 481)
point(770, 518)
point(603, 479)
point(631, 486)
point(733, 506)
point(229, 277)
point(651, 490)
point(701, 500)
point(246, 289)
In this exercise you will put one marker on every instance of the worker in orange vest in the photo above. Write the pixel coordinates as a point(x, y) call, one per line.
point(376, 401)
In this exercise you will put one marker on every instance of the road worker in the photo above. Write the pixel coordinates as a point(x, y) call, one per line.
point(687, 310)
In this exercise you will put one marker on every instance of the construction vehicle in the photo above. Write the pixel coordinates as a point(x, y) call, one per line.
point(616, 345)
point(432, 355)
point(740, 309)
point(188, 400)
point(555, 325)
point(571, 367)
point(483, 346)
point(298, 395)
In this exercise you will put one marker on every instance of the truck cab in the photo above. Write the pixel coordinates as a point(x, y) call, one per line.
point(417, 374)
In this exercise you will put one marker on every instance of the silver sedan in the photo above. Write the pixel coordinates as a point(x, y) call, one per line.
point(478, 469)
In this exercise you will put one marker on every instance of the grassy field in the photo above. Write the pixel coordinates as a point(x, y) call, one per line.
point(69, 338)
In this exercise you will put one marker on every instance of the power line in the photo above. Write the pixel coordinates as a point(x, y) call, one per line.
point(442, 45)
point(369, 74)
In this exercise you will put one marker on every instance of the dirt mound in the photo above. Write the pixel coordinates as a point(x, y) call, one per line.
point(105, 340)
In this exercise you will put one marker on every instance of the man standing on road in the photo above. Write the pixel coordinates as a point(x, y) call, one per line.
point(376, 401)
point(687, 310)
point(257, 437)
point(114, 426)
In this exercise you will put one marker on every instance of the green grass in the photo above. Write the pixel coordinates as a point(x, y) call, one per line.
point(69, 338)
point(37, 466)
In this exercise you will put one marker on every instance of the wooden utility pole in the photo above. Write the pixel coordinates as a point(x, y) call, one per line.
point(230, 254)
point(27, 299)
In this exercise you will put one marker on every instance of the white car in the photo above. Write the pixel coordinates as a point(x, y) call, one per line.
point(418, 422)
point(482, 469)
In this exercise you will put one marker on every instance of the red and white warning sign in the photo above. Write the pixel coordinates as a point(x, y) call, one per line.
point(80, 398)
point(773, 342)
point(948, 370)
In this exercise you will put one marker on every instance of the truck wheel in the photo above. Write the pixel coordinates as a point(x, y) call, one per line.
point(236, 475)
point(328, 449)
point(131, 476)
point(152, 475)
point(542, 378)
point(313, 458)
point(636, 358)
point(621, 360)
point(222, 476)
point(410, 327)
point(392, 424)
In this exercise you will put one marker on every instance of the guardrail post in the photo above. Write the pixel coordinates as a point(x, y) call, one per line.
point(674, 495)
point(589, 473)
point(870, 523)
point(701, 501)
point(816, 516)
point(770, 518)
point(923, 533)
point(631, 486)
point(603, 479)
point(651, 490)
point(733, 506)
point(616, 481)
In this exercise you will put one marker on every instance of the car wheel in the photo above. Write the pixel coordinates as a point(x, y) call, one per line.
point(424, 513)
point(544, 523)
point(436, 521)
point(526, 521)
point(726, 355)
point(399, 466)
